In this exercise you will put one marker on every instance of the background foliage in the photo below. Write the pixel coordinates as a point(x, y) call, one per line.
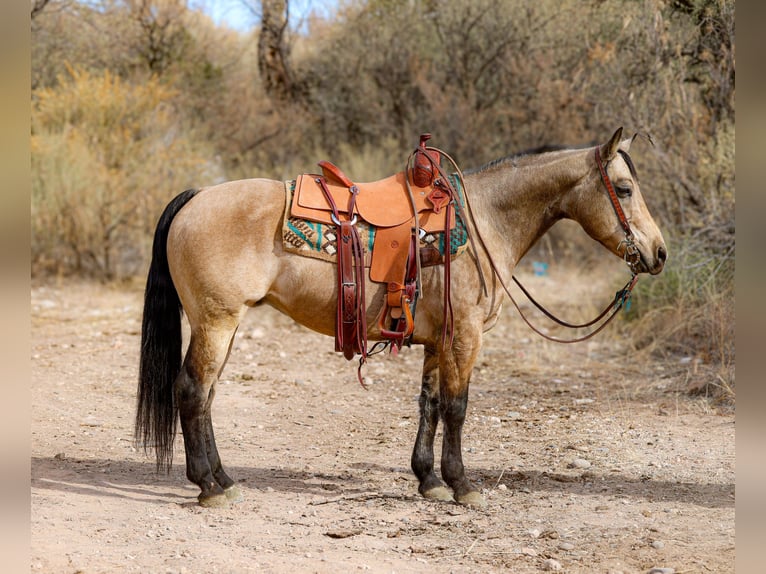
point(135, 100)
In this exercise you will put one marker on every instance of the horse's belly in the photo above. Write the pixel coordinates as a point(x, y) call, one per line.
point(306, 291)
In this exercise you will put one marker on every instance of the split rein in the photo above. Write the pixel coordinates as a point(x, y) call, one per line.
point(631, 255)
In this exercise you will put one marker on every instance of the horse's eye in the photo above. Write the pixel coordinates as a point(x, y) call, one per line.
point(623, 191)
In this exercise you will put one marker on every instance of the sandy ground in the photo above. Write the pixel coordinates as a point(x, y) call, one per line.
point(591, 458)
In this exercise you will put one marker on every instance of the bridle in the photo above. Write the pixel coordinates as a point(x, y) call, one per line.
point(631, 255)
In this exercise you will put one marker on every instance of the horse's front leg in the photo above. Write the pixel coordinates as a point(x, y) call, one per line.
point(423, 453)
point(455, 368)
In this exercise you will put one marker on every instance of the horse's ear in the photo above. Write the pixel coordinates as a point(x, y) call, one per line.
point(609, 150)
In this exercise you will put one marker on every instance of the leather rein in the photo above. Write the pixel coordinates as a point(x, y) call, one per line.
point(631, 256)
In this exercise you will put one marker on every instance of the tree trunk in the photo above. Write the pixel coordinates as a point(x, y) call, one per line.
point(273, 52)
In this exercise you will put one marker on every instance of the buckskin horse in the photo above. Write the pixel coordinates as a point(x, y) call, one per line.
point(218, 251)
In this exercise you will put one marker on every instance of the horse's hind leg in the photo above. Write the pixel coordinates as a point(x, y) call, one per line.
point(423, 453)
point(230, 489)
point(194, 391)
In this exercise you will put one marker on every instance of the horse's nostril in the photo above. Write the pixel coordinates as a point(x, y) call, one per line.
point(662, 254)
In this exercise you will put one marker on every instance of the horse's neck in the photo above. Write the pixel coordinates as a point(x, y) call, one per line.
point(517, 200)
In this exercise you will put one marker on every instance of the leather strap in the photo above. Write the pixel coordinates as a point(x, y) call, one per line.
point(400, 303)
point(612, 195)
point(448, 326)
point(350, 320)
point(332, 171)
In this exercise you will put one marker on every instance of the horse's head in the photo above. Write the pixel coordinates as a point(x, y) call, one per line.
point(618, 218)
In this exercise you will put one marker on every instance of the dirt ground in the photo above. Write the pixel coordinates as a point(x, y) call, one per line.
point(591, 457)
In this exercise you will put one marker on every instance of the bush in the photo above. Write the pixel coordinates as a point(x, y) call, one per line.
point(106, 157)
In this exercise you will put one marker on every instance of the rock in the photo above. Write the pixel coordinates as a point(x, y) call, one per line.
point(529, 551)
point(658, 545)
point(343, 533)
point(552, 565)
point(579, 463)
point(566, 546)
point(662, 571)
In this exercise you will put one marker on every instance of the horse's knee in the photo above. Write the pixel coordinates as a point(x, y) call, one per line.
point(453, 408)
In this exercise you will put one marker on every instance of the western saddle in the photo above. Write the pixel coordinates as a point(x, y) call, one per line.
point(419, 200)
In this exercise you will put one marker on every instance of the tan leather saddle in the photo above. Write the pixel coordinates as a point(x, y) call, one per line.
point(420, 199)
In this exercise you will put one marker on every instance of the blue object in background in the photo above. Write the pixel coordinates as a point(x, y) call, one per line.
point(540, 268)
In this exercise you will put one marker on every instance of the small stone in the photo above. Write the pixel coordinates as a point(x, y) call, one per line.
point(514, 416)
point(502, 487)
point(344, 533)
point(552, 565)
point(579, 463)
point(529, 551)
point(658, 545)
point(662, 571)
point(566, 546)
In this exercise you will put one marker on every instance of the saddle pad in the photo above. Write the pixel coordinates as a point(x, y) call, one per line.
point(319, 240)
point(383, 203)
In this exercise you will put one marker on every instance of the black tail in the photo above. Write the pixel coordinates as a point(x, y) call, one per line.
point(160, 346)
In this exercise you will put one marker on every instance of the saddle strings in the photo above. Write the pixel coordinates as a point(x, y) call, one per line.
point(461, 212)
point(416, 227)
point(468, 217)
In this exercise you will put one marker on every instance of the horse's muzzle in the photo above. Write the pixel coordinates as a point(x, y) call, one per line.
point(658, 261)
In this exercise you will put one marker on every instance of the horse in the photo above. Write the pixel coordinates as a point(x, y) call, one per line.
point(218, 251)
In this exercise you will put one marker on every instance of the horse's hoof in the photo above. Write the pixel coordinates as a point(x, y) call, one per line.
point(473, 499)
point(439, 493)
point(233, 494)
point(213, 501)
